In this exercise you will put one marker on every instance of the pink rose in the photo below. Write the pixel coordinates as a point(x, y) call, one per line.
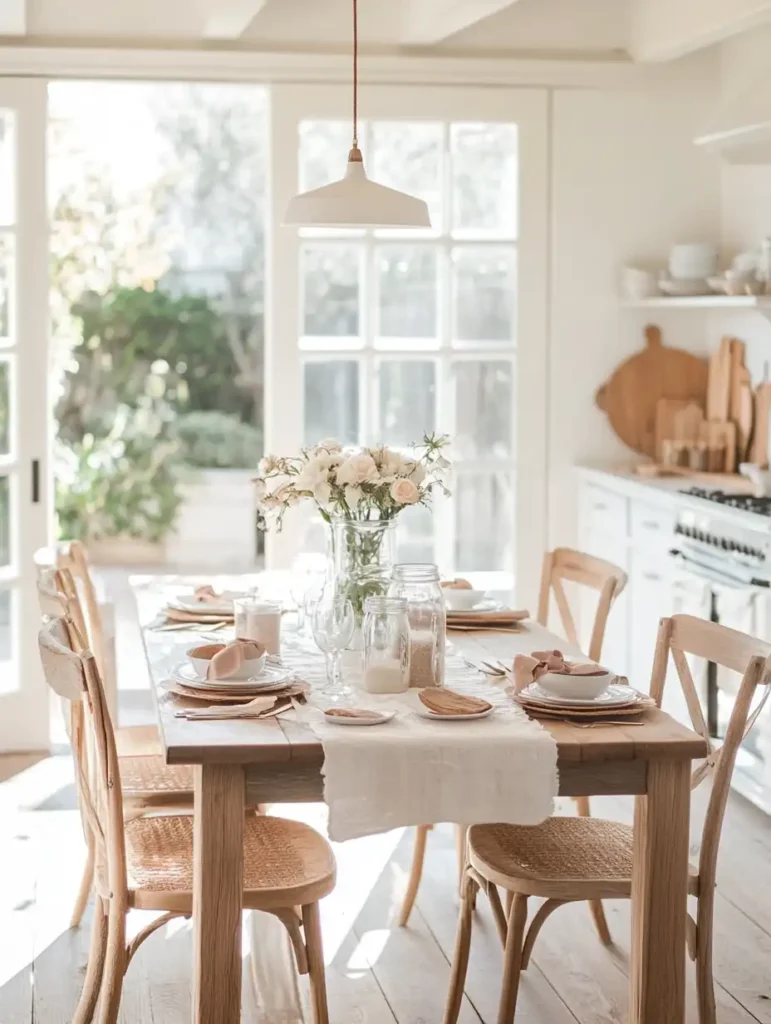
point(404, 492)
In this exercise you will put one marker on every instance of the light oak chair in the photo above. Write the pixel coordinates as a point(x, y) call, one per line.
point(559, 566)
point(568, 859)
point(149, 784)
point(147, 863)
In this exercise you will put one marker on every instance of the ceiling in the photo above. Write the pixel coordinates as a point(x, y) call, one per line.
point(643, 30)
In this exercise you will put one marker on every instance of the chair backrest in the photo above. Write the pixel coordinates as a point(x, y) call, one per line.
point(565, 564)
point(678, 637)
point(71, 555)
point(71, 671)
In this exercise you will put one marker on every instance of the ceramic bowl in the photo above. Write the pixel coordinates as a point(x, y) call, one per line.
point(200, 658)
point(693, 260)
point(463, 600)
point(638, 283)
point(577, 687)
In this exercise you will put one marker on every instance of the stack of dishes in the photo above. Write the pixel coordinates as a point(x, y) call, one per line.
point(190, 608)
point(581, 697)
point(487, 614)
point(271, 680)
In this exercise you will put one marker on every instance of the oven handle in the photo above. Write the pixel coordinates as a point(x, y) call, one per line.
point(714, 575)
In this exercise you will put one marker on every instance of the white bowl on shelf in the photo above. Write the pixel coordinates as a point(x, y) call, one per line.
point(575, 686)
point(691, 260)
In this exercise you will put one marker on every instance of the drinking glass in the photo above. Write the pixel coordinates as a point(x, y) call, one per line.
point(333, 624)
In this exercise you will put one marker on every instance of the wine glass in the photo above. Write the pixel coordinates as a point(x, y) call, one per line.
point(299, 584)
point(333, 624)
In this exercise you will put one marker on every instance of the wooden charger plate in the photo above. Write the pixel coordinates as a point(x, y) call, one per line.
point(625, 711)
point(176, 615)
point(220, 697)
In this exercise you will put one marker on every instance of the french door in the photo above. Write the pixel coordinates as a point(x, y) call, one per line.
point(24, 487)
point(384, 335)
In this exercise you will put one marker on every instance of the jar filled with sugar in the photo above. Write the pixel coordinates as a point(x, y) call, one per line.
point(386, 635)
point(418, 584)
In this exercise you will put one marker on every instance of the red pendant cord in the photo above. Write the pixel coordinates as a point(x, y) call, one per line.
point(355, 76)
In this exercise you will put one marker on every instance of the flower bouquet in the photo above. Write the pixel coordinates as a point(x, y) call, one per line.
point(359, 492)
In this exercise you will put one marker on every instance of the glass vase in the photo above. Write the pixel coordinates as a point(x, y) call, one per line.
point(362, 557)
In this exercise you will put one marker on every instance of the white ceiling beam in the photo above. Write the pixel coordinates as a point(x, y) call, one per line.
point(13, 18)
point(229, 19)
point(666, 29)
point(430, 21)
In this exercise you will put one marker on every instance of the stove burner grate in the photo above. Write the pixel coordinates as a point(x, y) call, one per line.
point(744, 502)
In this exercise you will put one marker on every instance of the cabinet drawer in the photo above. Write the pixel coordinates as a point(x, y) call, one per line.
point(603, 511)
point(650, 524)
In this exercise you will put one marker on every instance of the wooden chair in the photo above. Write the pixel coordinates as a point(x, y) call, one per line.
point(147, 863)
point(149, 784)
point(568, 859)
point(562, 564)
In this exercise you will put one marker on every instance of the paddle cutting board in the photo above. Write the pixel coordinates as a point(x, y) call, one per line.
point(630, 396)
point(759, 447)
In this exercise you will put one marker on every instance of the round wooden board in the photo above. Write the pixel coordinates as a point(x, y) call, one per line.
point(631, 394)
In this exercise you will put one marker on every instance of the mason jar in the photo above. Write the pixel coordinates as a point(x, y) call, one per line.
point(418, 584)
point(386, 634)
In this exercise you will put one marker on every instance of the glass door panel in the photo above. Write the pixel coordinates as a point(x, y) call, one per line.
point(24, 485)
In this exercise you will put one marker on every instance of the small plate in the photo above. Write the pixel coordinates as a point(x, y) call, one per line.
point(615, 694)
point(378, 718)
point(488, 605)
point(425, 713)
point(186, 674)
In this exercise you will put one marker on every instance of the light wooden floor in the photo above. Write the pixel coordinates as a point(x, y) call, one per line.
point(378, 974)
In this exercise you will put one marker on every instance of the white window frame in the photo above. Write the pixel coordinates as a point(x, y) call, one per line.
point(528, 109)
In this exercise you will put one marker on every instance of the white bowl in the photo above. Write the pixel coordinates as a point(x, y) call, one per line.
point(578, 687)
point(637, 283)
point(692, 260)
point(463, 600)
point(251, 667)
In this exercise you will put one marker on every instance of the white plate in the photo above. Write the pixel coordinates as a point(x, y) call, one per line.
point(489, 605)
point(189, 604)
point(425, 713)
point(186, 674)
point(381, 719)
point(614, 695)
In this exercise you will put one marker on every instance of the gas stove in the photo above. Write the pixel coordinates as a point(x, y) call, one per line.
point(742, 502)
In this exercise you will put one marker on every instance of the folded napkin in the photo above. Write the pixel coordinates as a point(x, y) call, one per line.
point(228, 659)
point(529, 667)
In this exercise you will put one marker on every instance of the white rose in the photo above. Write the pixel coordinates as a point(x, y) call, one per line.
point(404, 492)
point(329, 445)
point(414, 470)
point(313, 472)
point(353, 495)
point(358, 469)
point(391, 465)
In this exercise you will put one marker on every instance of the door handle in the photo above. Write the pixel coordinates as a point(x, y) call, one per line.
point(36, 481)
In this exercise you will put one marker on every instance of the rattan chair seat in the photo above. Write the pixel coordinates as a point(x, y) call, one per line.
point(286, 863)
point(146, 777)
point(572, 853)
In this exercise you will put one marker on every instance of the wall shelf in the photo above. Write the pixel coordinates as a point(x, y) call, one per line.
point(760, 302)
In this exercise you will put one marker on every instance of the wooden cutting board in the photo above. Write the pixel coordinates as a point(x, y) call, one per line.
point(630, 396)
point(745, 418)
point(759, 447)
point(688, 423)
point(664, 429)
point(719, 385)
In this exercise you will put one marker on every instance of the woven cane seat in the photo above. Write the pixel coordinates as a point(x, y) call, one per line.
point(561, 854)
point(149, 780)
point(286, 863)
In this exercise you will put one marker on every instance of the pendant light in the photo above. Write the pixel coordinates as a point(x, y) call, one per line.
point(354, 201)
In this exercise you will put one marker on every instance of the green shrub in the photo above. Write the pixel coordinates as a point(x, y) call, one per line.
point(123, 484)
point(217, 440)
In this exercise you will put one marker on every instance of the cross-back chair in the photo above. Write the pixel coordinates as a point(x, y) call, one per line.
point(147, 863)
point(570, 859)
point(149, 784)
point(562, 564)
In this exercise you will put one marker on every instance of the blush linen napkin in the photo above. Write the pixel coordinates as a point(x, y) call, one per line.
point(230, 658)
point(530, 667)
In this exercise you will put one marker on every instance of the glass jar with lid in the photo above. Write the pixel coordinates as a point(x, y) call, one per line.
point(386, 636)
point(418, 584)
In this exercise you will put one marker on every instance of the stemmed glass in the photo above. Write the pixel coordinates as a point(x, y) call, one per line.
point(333, 624)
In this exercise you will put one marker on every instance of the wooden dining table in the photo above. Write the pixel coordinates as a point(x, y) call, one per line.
point(280, 761)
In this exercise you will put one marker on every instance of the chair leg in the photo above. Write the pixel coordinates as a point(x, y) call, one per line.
point(460, 844)
point(115, 966)
point(318, 981)
point(705, 986)
point(595, 906)
point(84, 1012)
point(512, 959)
point(86, 884)
point(416, 872)
point(462, 948)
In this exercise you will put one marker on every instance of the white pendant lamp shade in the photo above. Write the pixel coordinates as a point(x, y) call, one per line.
point(356, 202)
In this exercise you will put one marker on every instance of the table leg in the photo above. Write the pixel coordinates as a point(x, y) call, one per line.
point(218, 872)
point(659, 896)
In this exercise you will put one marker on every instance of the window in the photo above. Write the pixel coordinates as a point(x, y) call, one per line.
point(405, 332)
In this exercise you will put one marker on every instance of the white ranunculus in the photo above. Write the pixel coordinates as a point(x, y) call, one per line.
point(391, 465)
point(357, 469)
point(314, 472)
point(404, 492)
point(353, 495)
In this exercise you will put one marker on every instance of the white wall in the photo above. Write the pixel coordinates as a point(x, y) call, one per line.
point(627, 182)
